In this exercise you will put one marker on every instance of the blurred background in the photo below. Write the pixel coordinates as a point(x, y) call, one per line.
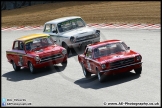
point(7, 5)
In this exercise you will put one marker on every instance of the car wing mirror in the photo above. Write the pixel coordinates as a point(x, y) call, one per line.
point(84, 53)
point(55, 31)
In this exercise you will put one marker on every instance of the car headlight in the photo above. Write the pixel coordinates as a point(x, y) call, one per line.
point(138, 58)
point(103, 66)
point(97, 33)
point(37, 58)
point(72, 39)
point(64, 51)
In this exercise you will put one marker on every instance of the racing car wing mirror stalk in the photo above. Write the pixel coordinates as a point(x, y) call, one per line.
point(55, 31)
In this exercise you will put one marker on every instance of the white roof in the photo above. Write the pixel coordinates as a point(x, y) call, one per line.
point(55, 21)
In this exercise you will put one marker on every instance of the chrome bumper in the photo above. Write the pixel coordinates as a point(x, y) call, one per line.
point(54, 57)
point(121, 67)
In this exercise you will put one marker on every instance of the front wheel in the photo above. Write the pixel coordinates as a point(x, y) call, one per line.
point(85, 72)
point(64, 63)
point(16, 68)
point(100, 76)
point(66, 47)
point(138, 70)
point(31, 68)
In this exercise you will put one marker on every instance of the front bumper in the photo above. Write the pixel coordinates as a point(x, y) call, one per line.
point(84, 43)
point(122, 69)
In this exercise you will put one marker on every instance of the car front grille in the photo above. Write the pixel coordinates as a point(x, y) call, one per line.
point(53, 57)
point(122, 63)
point(79, 39)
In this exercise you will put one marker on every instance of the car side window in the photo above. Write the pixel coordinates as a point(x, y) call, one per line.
point(47, 28)
point(74, 25)
point(15, 45)
point(80, 22)
point(89, 53)
point(28, 46)
point(53, 27)
point(125, 46)
point(21, 46)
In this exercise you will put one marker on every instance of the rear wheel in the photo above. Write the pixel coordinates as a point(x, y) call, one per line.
point(16, 68)
point(85, 72)
point(138, 70)
point(31, 68)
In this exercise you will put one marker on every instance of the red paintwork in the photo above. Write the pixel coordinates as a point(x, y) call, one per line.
point(96, 63)
point(28, 56)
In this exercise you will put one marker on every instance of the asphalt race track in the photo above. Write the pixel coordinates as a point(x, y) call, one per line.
point(66, 85)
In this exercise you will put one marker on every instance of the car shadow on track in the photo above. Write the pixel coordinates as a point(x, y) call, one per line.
point(93, 82)
point(24, 73)
point(76, 51)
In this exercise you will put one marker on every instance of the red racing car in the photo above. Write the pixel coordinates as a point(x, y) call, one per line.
point(35, 51)
point(108, 58)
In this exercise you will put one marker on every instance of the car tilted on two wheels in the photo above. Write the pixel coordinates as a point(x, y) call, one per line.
point(35, 51)
point(62, 35)
point(108, 58)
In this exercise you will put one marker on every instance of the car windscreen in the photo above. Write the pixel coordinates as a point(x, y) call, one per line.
point(70, 24)
point(38, 43)
point(108, 49)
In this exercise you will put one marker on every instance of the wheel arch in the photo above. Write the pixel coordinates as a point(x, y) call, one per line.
point(63, 42)
point(11, 60)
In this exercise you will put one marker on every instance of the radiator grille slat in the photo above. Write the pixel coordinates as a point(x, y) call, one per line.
point(44, 59)
point(122, 62)
point(79, 39)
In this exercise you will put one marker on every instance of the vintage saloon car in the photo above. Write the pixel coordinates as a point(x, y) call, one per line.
point(71, 32)
point(35, 51)
point(109, 57)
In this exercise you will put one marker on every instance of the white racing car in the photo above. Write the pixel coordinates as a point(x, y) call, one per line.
point(71, 32)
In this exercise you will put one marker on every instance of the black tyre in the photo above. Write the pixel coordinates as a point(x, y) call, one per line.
point(66, 47)
point(100, 76)
point(138, 70)
point(64, 63)
point(85, 72)
point(16, 68)
point(73, 51)
point(31, 68)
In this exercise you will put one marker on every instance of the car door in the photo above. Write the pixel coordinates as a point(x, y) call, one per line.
point(21, 54)
point(51, 29)
point(88, 60)
point(15, 49)
point(92, 63)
